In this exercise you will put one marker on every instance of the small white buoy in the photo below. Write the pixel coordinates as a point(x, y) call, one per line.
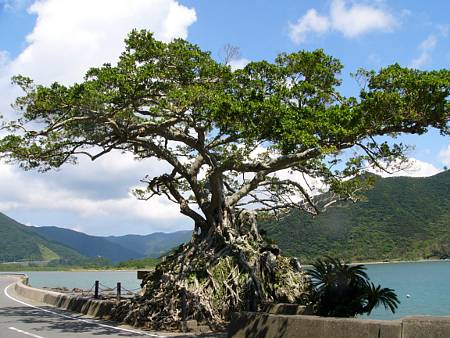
point(408, 295)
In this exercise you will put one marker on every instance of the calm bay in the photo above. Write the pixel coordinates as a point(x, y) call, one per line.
point(426, 283)
point(422, 287)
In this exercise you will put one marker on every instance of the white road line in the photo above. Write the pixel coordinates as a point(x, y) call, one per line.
point(92, 322)
point(24, 332)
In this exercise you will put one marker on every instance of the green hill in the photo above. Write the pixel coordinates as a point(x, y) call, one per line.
point(87, 245)
point(115, 248)
point(152, 245)
point(18, 242)
point(403, 218)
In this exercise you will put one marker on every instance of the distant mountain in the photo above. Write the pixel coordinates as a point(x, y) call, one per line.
point(403, 218)
point(116, 248)
point(87, 245)
point(19, 242)
point(153, 245)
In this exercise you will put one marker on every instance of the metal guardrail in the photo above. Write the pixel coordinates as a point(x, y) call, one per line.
point(98, 288)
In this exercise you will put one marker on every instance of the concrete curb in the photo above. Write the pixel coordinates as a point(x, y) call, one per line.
point(88, 306)
point(93, 307)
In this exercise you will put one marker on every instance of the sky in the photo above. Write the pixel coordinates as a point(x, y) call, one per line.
point(58, 40)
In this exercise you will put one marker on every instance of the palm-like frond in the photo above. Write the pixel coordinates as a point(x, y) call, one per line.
point(344, 290)
point(330, 270)
point(377, 296)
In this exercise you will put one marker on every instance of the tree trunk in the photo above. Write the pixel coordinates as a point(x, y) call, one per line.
point(231, 268)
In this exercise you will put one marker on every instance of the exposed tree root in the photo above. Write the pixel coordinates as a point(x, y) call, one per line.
point(220, 274)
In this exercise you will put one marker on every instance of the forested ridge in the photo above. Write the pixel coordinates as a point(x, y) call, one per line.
point(50, 243)
point(19, 242)
point(403, 218)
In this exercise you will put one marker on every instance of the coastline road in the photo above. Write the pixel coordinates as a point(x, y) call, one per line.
point(22, 318)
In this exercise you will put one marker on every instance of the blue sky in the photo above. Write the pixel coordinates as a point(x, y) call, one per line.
point(59, 39)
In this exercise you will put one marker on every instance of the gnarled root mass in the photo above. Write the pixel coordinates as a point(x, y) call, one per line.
point(208, 279)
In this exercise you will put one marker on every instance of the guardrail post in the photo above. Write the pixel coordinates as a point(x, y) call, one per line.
point(96, 289)
point(119, 290)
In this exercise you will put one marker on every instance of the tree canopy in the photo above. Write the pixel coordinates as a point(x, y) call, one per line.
point(227, 133)
point(236, 140)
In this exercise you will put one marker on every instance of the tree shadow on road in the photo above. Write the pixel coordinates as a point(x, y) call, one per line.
point(74, 323)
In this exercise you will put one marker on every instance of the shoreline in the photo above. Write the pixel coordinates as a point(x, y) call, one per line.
point(390, 262)
point(400, 261)
point(79, 269)
point(62, 269)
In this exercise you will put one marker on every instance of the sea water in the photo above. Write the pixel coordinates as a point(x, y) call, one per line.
point(83, 279)
point(422, 287)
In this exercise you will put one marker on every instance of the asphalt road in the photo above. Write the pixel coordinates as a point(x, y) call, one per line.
point(22, 318)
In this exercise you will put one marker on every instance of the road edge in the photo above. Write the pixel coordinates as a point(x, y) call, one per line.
point(43, 296)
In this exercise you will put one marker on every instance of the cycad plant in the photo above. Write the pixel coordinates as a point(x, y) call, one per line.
point(343, 290)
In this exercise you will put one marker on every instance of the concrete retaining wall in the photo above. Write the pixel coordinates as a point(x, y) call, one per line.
point(93, 307)
point(426, 327)
point(259, 325)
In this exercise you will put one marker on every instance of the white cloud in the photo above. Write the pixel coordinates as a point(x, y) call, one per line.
point(28, 192)
point(313, 186)
point(425, 47)
point(13, 5)
point(238, 63)
point(413, 168)
point(444, 155)
point(351, 21)
point(405, 13)
point(443, 30)
point(359, 19)
point(4, 58)
point(421, 60)
point(429, 43)
point(110, 176)
point(69, 37)
point(310, 22)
